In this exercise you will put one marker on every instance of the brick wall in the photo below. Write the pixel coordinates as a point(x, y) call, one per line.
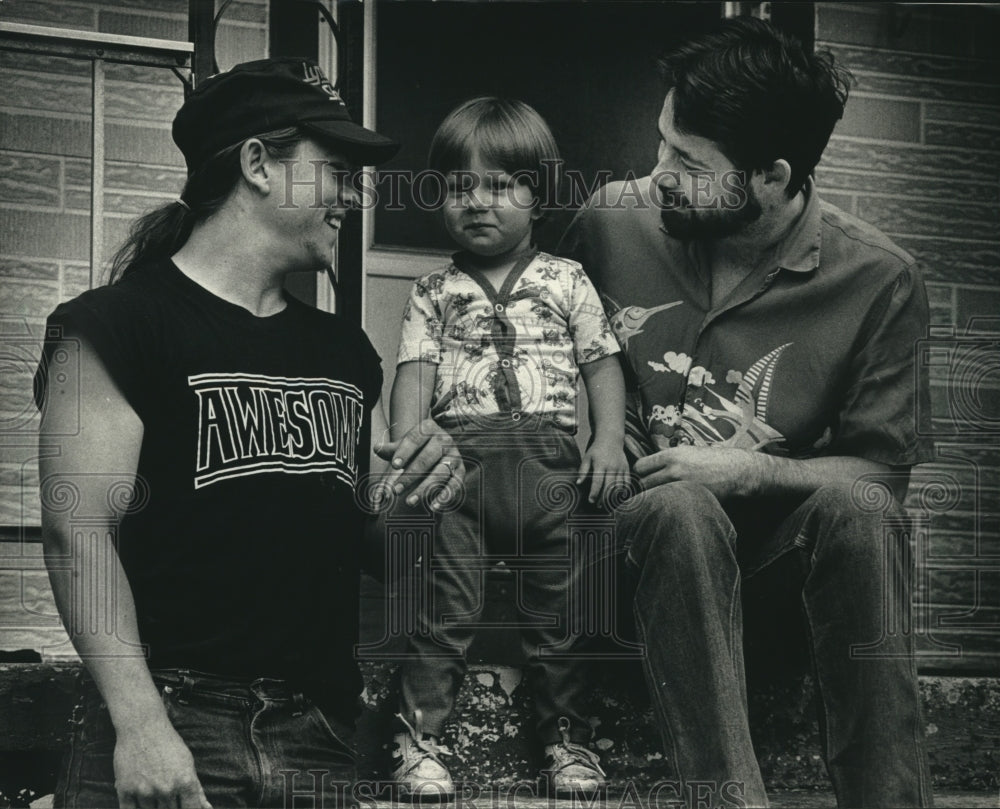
point(918, 155)
point(45, 119)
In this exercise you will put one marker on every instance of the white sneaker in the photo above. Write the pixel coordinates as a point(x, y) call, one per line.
point(417, 767)
point(572, 769)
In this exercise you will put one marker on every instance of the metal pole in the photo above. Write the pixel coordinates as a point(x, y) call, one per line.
point(97, 172)
point(201, 32)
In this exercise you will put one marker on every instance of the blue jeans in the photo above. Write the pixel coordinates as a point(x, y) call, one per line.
point(504, 514)
point(689, 563)
point(255, 743)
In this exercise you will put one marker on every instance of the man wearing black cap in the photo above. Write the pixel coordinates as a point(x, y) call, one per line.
point(215, 603)
point(270, 94)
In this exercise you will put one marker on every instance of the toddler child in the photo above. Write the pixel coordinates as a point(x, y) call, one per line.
point(492, 347)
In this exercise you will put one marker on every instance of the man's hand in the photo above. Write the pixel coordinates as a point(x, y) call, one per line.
point(724, 471)
point(154, 768)
point(607, 467)
point(730, 473)
point(429, 460)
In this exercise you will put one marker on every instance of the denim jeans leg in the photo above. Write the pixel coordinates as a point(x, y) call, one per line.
point(304, 755)
point(681, 550)
point(260, 745)
point(87, 776)
point(216, 728)
point(450, 597)
point(554, 667)
point(856, 597)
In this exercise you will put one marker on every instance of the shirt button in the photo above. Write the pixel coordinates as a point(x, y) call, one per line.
point(505, 363)
point(515, 416)
point(498, 308)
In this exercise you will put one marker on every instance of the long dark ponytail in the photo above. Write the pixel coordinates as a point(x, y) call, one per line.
point(163, 231)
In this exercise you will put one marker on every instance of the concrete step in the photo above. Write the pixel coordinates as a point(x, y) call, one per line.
point(491, 734)
point(943, 799)
point(780, 799)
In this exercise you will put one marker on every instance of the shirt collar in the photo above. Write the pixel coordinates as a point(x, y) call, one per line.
point(800, 249)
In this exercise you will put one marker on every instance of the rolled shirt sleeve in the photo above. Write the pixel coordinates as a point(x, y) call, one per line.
point(878, 414)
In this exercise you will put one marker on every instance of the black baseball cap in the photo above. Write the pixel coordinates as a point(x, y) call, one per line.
point(257, 97)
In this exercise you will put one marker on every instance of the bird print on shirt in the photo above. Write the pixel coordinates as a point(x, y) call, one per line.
point(628, 322)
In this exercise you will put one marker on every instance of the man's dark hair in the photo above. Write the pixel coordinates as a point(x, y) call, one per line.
point(758, 95)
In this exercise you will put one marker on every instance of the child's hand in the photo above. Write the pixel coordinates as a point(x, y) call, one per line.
point(605, 462)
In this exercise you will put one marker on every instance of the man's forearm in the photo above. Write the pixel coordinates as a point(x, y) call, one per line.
point(740, 473)
point(777, 475)
point(95, 603)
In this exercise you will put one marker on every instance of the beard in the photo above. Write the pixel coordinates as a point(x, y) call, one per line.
point(684, 221)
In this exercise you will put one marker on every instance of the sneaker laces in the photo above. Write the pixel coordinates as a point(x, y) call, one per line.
point(578, 754)
point(426, 744)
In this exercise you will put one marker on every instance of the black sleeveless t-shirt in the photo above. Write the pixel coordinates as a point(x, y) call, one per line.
point(242, 543)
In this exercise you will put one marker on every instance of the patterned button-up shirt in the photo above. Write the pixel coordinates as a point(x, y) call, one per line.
point(812, 354)
point(511, 352)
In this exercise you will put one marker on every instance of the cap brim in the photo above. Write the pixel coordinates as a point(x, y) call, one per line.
point(362, 146)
